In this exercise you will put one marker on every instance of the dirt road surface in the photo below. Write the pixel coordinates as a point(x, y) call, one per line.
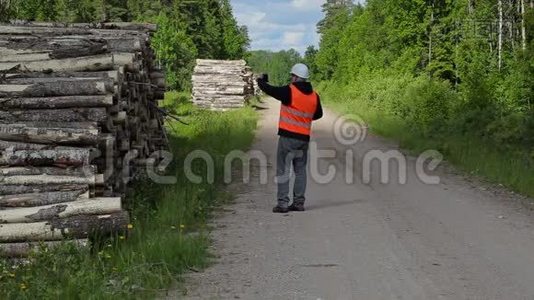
point(454, 240)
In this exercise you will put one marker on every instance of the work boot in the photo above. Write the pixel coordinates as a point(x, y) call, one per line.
point(296, 207)
point(280, 210)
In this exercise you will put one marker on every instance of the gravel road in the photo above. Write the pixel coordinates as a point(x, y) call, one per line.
point(458, 239)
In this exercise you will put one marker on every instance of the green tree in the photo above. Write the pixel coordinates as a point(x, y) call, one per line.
point(201, 25)
point(276, 64)
point(337, 15)
point(309, 60)
point(175, 50)
point(145, 10)
point(6, 10)
point(398, 56)
point(235, 38)
point(332, 9)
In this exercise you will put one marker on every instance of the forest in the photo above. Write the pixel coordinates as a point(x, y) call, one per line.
point(186, 29)
point(451, 75)
point(458, 66)
point(444, 67)
point(454, 75)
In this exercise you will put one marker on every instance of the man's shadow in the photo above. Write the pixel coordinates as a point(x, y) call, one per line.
point(332, 204)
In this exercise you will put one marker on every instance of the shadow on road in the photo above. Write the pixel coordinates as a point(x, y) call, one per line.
point(332, 204)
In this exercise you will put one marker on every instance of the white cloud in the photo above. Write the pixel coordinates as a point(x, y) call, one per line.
point(307, 4)
point(280, 24)
point(293, 38)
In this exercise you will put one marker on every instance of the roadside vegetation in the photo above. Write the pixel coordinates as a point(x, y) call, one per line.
point(451, 76)
point(168, 228)
point(454, 76)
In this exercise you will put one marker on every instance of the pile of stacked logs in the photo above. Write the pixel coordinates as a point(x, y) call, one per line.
point(222, 85)
point(79, 117)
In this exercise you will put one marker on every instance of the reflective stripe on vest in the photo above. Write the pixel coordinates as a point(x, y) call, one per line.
point(295, 112)
point(298, 116)
point(296, 123)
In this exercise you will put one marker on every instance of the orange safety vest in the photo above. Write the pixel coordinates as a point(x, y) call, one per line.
point(298, 116)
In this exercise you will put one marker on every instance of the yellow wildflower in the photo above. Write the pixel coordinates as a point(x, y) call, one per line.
point(130, 226)
point(23, 286)
point(182, 226)
point(121, 237)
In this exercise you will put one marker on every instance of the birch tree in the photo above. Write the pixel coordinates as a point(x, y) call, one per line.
point(500, 41)
point(523, 30)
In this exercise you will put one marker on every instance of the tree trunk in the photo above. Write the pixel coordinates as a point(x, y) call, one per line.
point(58, 31)
point(225, 98)
point(214, 62)
point(74, 227)
point(75, 157)
point(523, 28)
point(129, 26)
point(115, 75)
point(59, 136)
point(56, 171)
point(64, 115)
point(227, 91)
point(134, 27)
point(500, 42)
point(511, 23)
point(16, 146)
point(41, 199)
point(54, 48)
point(44, 31)
point(38, 180)
point(430, 34)
point(6, 190)
point(57, 102)
point(22, 250)
point(23, 57)
point(120, 44)
point(59, 87)
point(68, 125)
point(219, 85)
point(78, 64)
point(94, 206)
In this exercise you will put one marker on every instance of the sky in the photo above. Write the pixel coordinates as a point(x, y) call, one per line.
point(280, 24)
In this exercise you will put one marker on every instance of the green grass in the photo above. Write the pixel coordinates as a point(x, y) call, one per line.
point(169, 224)
point(511, 168)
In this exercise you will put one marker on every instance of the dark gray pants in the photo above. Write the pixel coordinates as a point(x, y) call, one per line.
point(291, 152)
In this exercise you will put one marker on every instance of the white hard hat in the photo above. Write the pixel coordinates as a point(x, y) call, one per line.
point(301, 70)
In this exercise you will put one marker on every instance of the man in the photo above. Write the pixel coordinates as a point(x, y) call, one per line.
point(300, 106)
